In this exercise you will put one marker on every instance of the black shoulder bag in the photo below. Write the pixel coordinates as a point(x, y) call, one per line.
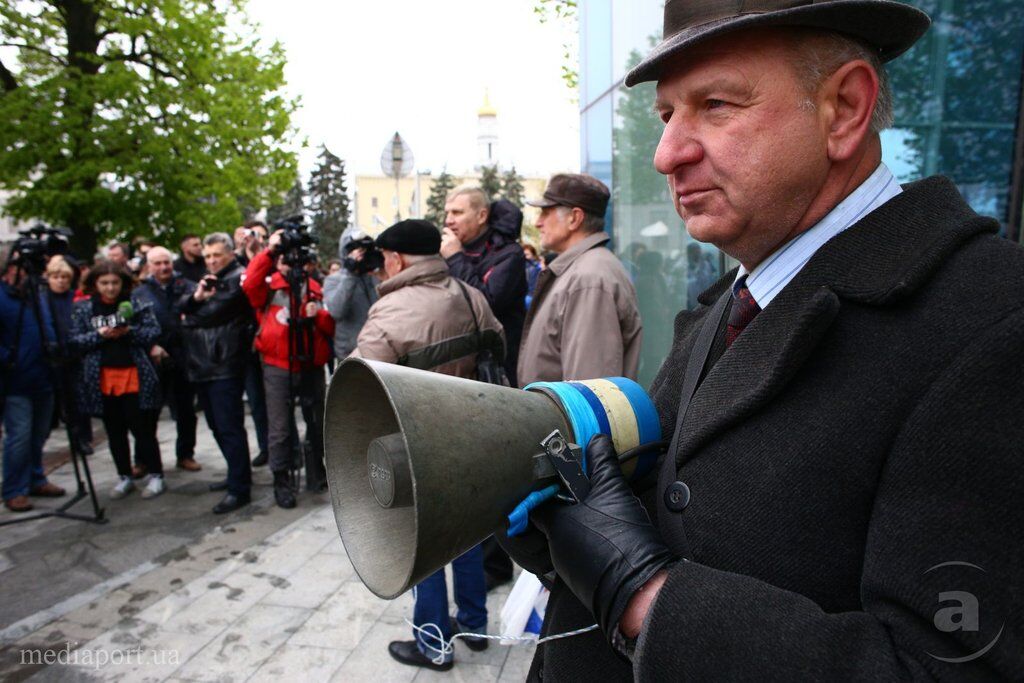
point(488, 368)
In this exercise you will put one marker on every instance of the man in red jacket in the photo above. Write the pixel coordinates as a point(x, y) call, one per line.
point(291, 362)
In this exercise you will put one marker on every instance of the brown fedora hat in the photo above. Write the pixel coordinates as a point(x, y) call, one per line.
point(890, 26)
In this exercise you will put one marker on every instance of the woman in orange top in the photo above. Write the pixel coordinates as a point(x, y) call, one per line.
point(117, 381)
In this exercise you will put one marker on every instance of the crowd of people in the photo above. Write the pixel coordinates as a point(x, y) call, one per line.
point(208, 327)
point(141, 328)
point(241, 317)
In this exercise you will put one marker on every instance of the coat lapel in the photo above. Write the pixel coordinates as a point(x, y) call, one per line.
point(758, 365)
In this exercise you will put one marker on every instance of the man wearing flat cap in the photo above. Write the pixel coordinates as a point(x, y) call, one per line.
point(584, 321)
point(841, 499)
point(428, 320)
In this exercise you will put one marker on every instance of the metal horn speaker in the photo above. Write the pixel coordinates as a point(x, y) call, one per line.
point(423, 466)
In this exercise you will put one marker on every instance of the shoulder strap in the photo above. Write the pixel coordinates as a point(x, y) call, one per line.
point(469, 302)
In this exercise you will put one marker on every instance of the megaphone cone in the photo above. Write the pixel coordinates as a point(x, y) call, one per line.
point(423, 466)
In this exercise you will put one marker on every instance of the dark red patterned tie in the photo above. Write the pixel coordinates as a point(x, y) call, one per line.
point(743, 310)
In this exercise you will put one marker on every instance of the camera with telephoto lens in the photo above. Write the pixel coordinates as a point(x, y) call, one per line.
point(36, 245)
point(297, 246)
point(372, 260)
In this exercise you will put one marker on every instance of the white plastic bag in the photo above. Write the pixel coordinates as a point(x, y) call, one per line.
point(524, 607)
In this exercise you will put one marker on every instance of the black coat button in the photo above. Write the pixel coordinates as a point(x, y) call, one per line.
point(677, 496)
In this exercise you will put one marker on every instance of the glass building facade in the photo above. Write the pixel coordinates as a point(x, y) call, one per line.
point(958, 113)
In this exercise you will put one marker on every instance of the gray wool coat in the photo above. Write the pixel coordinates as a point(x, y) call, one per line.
point(854, 459)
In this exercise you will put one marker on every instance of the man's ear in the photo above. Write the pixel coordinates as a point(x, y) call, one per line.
point(578, 216)
point(847, 99)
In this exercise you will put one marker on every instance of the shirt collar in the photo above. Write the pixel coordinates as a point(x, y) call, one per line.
point(770, 276)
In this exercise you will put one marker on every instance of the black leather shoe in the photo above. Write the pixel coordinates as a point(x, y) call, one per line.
point(261, 459)
point(230, 503)
point(283, 494)
point(221, 485)
point(406, 652)
point(474, 644)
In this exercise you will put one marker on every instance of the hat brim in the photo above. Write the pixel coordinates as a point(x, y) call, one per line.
point(892, 27)
point(541, 203)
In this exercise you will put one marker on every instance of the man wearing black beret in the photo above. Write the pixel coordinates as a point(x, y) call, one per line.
point(841, 499)
point(427, 319)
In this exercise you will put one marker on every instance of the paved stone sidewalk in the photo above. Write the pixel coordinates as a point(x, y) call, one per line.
point(168, 591)
point(289, 607)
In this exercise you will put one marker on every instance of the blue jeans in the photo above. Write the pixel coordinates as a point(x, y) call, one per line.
point(26, 426)
point(470, 596)
point(221, 400)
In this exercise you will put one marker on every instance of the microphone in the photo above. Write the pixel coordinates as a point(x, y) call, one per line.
point(124, 312)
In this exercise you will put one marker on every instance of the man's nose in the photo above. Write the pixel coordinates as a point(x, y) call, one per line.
point(676, 148)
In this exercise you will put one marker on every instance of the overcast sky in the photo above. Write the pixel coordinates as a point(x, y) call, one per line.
point(367, 69)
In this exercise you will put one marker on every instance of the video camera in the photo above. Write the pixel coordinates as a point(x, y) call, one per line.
point(297, 246)
point(37, 244)
point(372, 260)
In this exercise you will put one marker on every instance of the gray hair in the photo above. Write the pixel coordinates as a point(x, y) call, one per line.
point(219, 238)
point(819, 54)
point(591, 222)
point(478, 199)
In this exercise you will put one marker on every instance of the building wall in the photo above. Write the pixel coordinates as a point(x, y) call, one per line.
point(376, 204)
point(957, 103)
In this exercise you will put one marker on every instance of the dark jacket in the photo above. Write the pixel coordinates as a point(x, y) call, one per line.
point(218, 332)
point(193, 271)
point(348, 297)
point(87, 343)
point(27, 372)
point(494, 263)
point(164, 300)
point(861, 434)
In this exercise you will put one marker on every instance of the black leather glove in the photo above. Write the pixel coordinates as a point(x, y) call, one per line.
point(605, 547)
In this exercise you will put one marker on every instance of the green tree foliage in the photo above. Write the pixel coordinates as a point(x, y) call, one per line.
point(294, 204)
point(567, 12)
point(512, 187)
point(140, 117)
point(438, 193)
point(328, 202)
point(490, 181)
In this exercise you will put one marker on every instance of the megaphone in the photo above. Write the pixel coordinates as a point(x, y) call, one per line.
point(422, 466)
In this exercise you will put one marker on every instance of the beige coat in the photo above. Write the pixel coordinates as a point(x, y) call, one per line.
point(583, 322)
point(422, 320)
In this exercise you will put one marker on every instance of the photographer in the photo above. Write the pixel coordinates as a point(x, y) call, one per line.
point(61, 281)
point(116, 380)
point(270, 294)
point(26, 383)
point(216, 332)
point(349, 293)
point(162, 290)
point(249, 241)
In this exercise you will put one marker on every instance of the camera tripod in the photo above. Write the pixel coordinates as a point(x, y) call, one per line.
point(302, 387)
point(55, 356)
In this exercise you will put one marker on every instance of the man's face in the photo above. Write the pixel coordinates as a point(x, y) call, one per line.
point(117, 255)
point(743, 146)
point(462, 219)
point(192, 248)
point(160, 266)
point(553, 224)
point(217, 257)
point(239, 236)
point(281, 266)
